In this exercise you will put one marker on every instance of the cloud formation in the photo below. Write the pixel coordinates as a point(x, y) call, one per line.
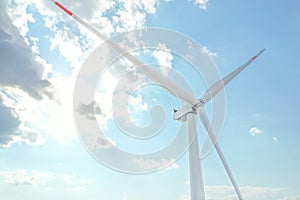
point(24, 71)
point(25, 177)
point(164, 58)
point(255, 131)
point(9, 124)
point(202, 3)
point(205, 50)
point(42, 178)
point(13, 129)
point(89, 110)
point(19, 67)
point(99, 142)
point(225, 192)
point(150, 164)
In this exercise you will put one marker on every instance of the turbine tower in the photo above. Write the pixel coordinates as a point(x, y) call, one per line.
point(186, 114)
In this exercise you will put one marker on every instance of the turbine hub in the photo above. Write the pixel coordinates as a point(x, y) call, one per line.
point(199, 104)
point(180, 114)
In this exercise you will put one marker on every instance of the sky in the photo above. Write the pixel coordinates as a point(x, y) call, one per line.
point(42, 53)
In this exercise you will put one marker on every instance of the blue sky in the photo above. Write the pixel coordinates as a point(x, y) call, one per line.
point(42, 51)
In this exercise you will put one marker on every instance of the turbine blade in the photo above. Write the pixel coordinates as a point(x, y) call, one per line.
point(205, 121)
point(196, 178)
point(219, 85)
point(155, 76)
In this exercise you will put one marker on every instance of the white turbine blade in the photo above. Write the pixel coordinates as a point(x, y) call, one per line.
point(196, 178)
point(204, 119)
point(219, 85)
point(155, 76)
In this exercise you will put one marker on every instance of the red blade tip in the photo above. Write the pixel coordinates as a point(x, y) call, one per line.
point(258, 54)
point(63, 8)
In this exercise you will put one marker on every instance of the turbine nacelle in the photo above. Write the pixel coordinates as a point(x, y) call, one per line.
point(180, 114)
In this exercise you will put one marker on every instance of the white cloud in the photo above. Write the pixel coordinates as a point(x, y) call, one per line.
point(18, 63)
point(133, 14)
point(136, 102)
point(205, 50)
point(129, 15)
point(20, 17)
point(29, 136)
point(150, 164)
point(91, 9)
point(74, 43)
point(14, 128)
point(69, 46)
point(99, 142)
point(226, 192)
point(262, 193)
point(89, 110)
point(23, 76)
point(25, 177)
point(202, 3)
point(34, 46)
point(164, 57)
point(249, 192)
point(43, 179)
point(123, 82)
point(255, 131)
point(9, 125)
point(275, 139)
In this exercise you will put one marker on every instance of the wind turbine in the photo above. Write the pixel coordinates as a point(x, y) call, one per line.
point(187, 113)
